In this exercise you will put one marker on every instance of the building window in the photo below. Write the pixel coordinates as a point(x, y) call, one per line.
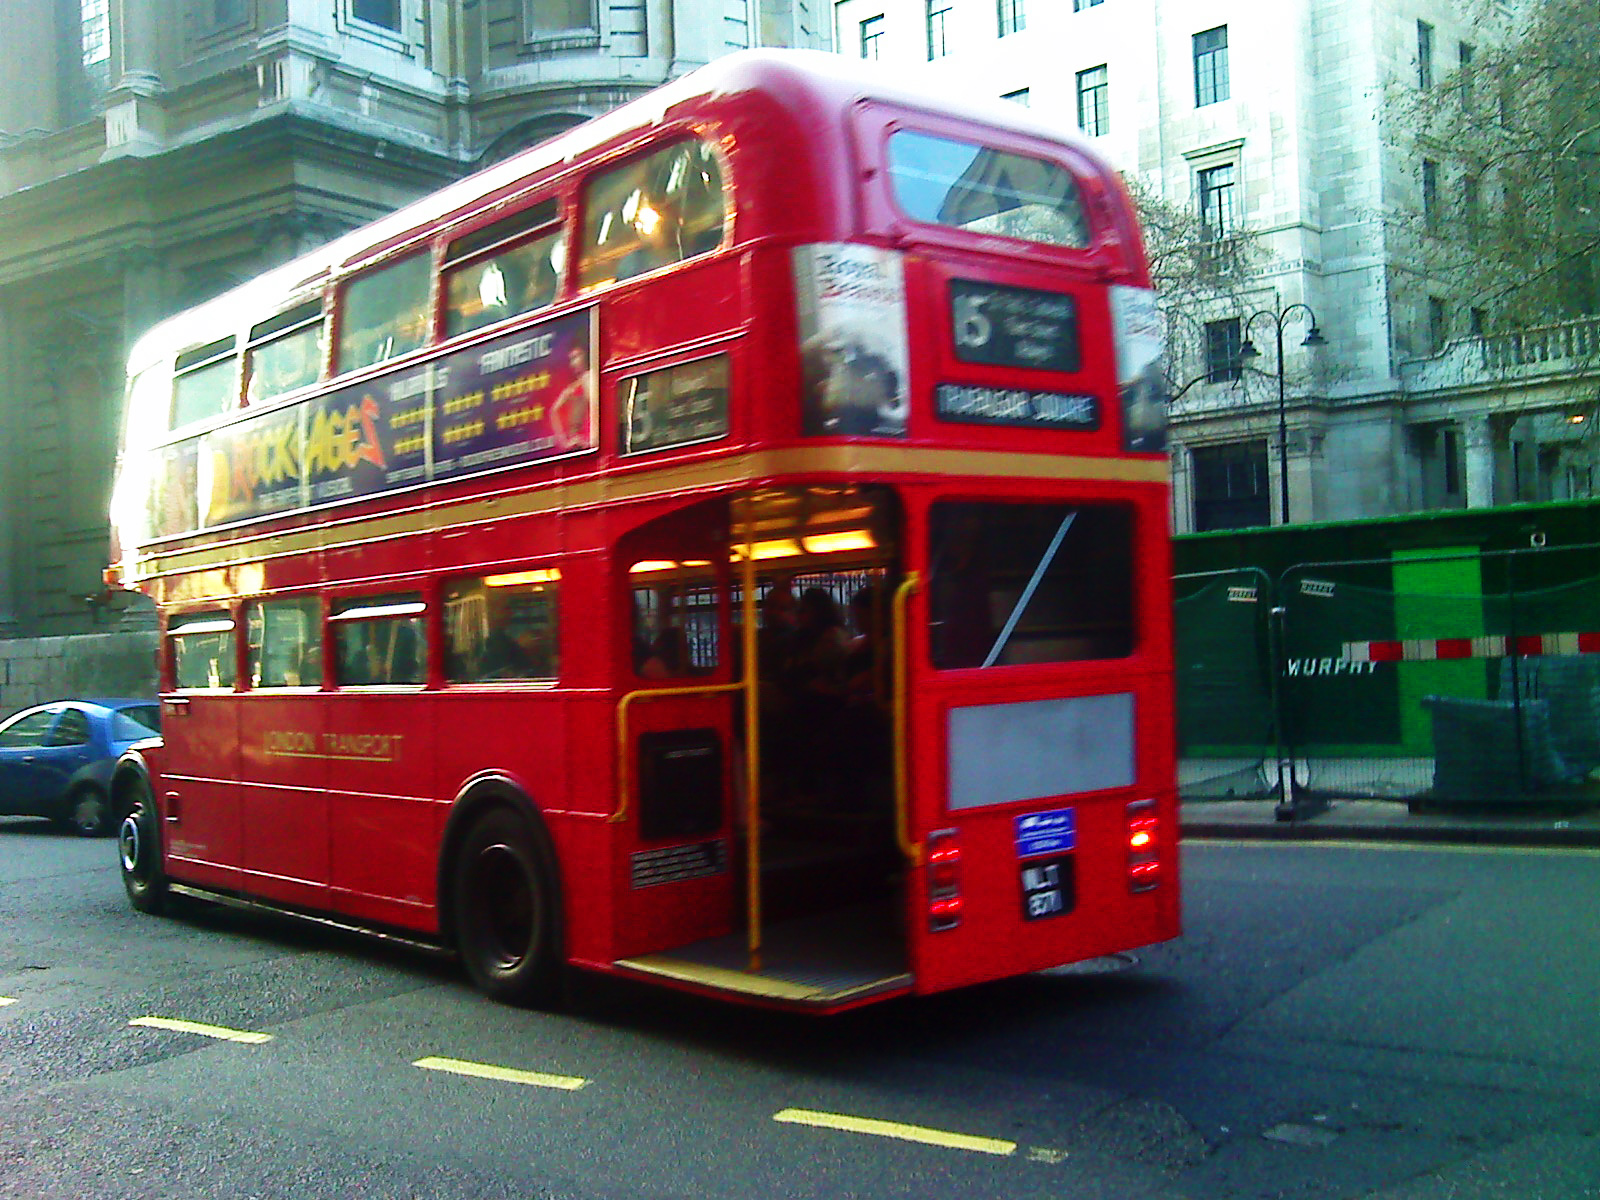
point(1230, 486)
point(227, 12)
point(1094, 101)
point(1477, 322)
point(1438, 324)
point(95, 40)
point(1080, 5)
point(938, 17)
point(1430, 192)
point(1452, 462)
point(1211, 66)
point(1223, 342)
point(1472, 201)
point(545, 19)
point(1424, 55)
point(383, 13)
point(1464, 74)
point(1218, 216)
point(872, 37)
point(1020, 96)
point(1012, 15)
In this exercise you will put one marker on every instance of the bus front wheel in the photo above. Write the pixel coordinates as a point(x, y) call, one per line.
point(139, 855)
point(505, 927)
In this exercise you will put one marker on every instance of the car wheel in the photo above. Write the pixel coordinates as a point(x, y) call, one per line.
point(505, 916)
point(139, 855)
point(87, 812)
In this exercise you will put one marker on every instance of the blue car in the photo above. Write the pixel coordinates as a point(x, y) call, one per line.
point(56, 759)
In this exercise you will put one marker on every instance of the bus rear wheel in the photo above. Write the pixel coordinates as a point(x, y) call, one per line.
point(504, 902)
point(139, 855)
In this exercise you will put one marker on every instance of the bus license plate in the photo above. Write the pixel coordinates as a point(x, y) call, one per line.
point(1047, 888)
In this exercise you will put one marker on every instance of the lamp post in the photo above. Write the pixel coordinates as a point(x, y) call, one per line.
point(1247, 352)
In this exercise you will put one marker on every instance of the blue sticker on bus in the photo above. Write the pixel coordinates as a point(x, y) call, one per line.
point(1045, 833)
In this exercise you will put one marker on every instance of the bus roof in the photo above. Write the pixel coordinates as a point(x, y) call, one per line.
point(803, 81)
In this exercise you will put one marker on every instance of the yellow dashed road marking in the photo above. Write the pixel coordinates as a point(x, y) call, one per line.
point(894, 1129)
point(210, 1031)
point(456, 1066)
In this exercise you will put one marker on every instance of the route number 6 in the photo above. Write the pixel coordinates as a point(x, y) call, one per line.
point(973, 327)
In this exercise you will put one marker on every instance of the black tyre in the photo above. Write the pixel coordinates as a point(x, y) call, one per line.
point(139, 855)
point(87, 812)
point(504, 897)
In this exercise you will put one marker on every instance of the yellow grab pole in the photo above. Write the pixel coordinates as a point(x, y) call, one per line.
point(902, 773)
point(752, 743)
point(752, 740)
point(623, 705)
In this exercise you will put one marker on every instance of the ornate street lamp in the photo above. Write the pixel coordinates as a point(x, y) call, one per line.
point(1247, 351)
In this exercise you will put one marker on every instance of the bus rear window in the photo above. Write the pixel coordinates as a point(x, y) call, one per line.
point(1030, 583)
point(943, 181)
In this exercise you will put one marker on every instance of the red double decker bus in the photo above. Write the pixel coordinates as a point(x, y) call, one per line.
point(724, 545)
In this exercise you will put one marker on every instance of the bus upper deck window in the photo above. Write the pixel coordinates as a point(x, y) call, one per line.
point(385, 313)
point(285, 353)
point(503, 283)
point(207, 383)
point(651, 212)
point(943, 181)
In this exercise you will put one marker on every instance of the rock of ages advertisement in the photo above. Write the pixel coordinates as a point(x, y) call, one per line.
point(851, 303)
point(521, 398)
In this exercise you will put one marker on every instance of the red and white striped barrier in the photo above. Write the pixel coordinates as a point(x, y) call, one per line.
point(1529, 645)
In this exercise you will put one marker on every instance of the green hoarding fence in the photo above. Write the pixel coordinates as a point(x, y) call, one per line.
point(1395, 677)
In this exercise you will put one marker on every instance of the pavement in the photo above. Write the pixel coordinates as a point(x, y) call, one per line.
point(1392, 821)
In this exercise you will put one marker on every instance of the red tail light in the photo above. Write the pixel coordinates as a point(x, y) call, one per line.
point(1144, 846)
point(944, 880)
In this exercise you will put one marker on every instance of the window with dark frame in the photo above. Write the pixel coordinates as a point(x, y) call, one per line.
point(1020, 96)
point(1438, 324)
point(1211, 66)
point(383, 13)
point(872, 37)
point(1464, 53)
point(938, 32)
point(1230, 486)
point(1080, 5)
point(543, 20)
point(1094, 101)
point(1430, 192)
point(1224, 339)
point(1216, 187)
point(1424, 55)
point(1012, 16)
point(1472, 201)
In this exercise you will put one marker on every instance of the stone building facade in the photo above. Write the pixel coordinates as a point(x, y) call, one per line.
point(156, 152)
point(1273, 123)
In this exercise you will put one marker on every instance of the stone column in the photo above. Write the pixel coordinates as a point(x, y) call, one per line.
point(12, 509)
point(1477, 433)
point(135, 122)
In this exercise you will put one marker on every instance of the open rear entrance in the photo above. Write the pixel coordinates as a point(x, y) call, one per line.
point(795, 760)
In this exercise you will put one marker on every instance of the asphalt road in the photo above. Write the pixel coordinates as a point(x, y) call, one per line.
point(1387, 1023)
